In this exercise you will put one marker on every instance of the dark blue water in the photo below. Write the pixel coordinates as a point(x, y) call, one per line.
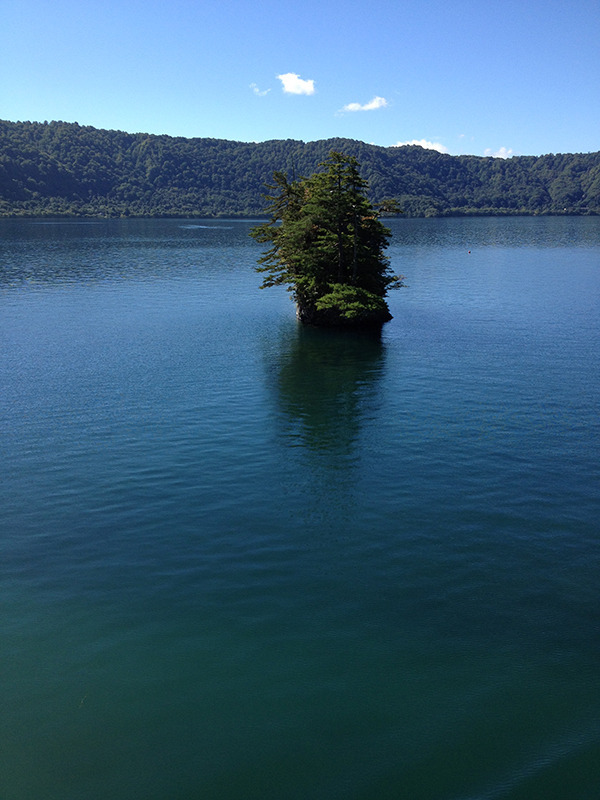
point(241, 559)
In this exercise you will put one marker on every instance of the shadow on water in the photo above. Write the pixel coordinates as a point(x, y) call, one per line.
point(326, 385)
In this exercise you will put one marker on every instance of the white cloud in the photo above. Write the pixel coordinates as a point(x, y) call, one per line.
point(257, 91)
point(503, 152)
point(376, 102)
point(294, 84)
point(424, 143)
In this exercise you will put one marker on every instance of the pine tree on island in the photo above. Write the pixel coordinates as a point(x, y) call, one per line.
point(327, 244)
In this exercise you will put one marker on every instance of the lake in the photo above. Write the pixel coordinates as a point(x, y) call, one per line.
point(244, 559)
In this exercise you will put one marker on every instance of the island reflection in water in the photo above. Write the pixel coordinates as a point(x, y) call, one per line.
point(325, 385)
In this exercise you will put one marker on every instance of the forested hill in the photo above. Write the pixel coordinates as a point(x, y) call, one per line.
point(61, 168)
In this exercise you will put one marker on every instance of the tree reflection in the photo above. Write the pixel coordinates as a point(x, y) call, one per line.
point(326, 385)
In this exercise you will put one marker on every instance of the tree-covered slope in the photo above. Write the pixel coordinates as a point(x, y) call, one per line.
point(64, 168)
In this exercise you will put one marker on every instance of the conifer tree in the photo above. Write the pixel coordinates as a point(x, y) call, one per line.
point(327, 244)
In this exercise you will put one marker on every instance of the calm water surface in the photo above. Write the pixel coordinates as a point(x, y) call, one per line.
point(241, 559)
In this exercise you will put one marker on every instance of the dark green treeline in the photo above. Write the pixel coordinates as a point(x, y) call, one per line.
point(61, 168)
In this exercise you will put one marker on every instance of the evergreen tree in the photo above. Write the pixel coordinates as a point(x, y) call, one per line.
point(327, 244)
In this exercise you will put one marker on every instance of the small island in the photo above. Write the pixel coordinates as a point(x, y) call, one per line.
point(327, 245)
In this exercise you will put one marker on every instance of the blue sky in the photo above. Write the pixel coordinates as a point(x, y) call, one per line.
point(521, 77)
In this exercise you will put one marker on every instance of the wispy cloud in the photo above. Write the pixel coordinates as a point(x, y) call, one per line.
point(503, 152)
point(259, 92)
point(376, 102)
point(293, 84)
point(424, 143)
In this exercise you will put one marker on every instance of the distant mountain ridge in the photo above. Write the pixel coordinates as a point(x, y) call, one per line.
point(61, 168)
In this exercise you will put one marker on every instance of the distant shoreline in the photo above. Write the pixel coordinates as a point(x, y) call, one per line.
point(60, 169)
point(452, 214)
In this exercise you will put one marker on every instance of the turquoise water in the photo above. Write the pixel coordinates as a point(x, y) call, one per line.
point(241, 559)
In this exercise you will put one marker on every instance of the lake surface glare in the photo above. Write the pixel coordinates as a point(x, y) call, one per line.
point(244, 559)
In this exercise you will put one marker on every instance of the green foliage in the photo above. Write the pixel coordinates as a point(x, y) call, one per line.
point(327, 244)
point(61, 168)
point(352, 304)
